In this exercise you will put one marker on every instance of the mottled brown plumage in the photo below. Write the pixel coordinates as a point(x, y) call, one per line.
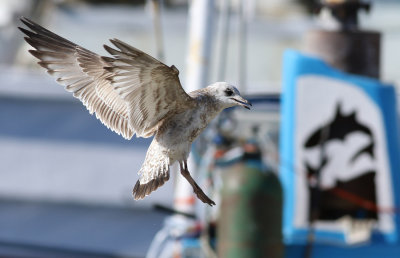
point(133, 93)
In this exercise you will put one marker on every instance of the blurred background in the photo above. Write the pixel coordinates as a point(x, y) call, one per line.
point(65, 180)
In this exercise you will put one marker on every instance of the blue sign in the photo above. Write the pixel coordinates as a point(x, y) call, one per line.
point(339, 152)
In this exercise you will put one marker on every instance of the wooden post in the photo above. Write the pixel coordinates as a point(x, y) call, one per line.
point(348, 48)
point(356, 52)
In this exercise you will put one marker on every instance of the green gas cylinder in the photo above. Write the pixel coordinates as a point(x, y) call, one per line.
point(250, 220)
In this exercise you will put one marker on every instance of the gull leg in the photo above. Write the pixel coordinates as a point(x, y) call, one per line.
point(197, 190)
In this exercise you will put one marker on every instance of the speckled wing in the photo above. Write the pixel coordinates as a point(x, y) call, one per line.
point(151, 89)
point(81, 72)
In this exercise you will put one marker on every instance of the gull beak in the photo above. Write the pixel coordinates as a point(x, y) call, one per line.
point(242, 102)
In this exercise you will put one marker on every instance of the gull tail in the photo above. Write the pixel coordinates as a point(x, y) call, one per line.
point(153, 173)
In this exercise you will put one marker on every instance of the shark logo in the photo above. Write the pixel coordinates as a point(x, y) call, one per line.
point(324, 203)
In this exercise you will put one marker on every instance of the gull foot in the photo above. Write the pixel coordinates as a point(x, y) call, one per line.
point(203, 197)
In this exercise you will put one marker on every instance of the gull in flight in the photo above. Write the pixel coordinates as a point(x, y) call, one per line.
point(133, 93)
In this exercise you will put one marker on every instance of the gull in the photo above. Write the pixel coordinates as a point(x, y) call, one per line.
point(133, 93)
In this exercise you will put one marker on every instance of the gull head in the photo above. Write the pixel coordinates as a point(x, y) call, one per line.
point(228, 95)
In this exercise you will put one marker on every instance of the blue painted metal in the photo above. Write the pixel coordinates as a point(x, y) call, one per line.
point(56, 120)
point(295, 66)
point(335, 251)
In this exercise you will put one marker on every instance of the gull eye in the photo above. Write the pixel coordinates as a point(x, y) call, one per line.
point(228, 92)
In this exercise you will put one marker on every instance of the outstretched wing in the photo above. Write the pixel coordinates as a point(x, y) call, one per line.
point(129, 109)
point(151, 89)
point(81, 72)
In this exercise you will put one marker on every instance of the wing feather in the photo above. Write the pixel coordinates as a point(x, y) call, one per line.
point(81, 72)
point(151, 89)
